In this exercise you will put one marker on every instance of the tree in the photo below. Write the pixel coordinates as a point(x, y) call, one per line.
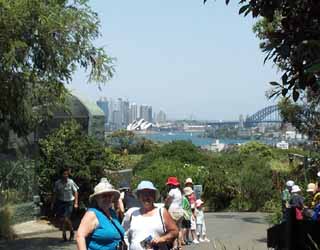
point(304, 117)
point(291, 41)
point(68, 146)
point(41, 45)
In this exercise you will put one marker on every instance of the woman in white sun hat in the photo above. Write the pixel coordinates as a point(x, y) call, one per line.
point(100, 227)
point(296, 201)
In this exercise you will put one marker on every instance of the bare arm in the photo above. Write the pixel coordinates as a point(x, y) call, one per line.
point(168, 201)
point(88, 223)
point(172, 230)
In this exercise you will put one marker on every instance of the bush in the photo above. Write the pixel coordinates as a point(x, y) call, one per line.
point(6, 231)
point(69, 146)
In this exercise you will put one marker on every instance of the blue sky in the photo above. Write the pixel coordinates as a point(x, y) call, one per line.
point(183, 57)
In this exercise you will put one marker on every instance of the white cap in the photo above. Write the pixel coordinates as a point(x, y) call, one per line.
point(289, 183)
point(318, 174)
point(295, 189)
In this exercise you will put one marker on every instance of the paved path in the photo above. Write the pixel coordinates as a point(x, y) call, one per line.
point(230, 231)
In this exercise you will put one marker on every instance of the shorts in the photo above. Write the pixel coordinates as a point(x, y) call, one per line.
point(186, 224)
point(64, 208)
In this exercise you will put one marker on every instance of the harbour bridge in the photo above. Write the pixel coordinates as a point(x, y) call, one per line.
point(270, 114)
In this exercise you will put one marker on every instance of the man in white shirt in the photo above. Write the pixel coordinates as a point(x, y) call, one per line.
point(65, 197)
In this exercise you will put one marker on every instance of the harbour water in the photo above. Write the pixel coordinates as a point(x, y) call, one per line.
point(195, 137)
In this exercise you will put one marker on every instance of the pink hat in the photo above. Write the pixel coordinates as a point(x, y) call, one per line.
point(172, 180)
point(199, 202)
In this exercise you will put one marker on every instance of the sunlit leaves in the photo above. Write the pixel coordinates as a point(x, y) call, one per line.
point(41, 45)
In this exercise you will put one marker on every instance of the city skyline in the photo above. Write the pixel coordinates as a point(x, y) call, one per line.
point(192, 60)
point(119, 113)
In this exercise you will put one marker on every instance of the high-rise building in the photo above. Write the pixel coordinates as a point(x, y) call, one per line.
point(125, 113)
point(146, 113)
point(150, 114)
point(104, 105)
point(133, 112)
point(161, 117)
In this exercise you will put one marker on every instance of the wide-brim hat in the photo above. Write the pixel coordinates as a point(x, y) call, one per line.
point(311, 187)
point(147, 185)
point(187, 191)
point(172, 180)
point(295, 189)
point(199, 202)
point(103, 187)
point(188, 180)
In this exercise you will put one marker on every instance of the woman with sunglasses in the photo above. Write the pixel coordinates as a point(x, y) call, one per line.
point(148, 227)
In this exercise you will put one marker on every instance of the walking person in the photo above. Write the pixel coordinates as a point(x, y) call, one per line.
point(65, 198)
point(148, 227)
point(100, 228)
point(285, 198)
point(174, 204)
point(297, 201)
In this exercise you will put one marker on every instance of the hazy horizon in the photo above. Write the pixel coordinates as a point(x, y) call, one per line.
point(185, 58)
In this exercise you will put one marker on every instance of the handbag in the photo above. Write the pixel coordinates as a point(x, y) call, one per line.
point(122, 244)
point(299, 215)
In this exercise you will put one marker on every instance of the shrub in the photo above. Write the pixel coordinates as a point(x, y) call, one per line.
point(69, 146)
point(6, 231)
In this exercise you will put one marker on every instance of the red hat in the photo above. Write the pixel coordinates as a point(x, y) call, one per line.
point(172, 180)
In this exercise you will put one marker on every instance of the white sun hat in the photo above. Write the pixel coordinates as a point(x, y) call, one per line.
point(295, 189)
point(290, 183)
point(187, 191)
point(102, 187)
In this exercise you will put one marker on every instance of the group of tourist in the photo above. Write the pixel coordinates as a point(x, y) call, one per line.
point(306, 207)
point(123, 218)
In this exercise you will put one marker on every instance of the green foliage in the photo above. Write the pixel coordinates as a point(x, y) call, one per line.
point(16, 181)
point(220, 186)
point(305, 117)
point(255, 183)
point(41, 45)
point(160, 169)
point(180, 151)
point(273, 208)
point(69, 146)
point(6, 231)
point(123, 141)
point(257, 149)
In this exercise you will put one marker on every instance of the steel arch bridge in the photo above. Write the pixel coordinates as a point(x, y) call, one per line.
point(268, 114)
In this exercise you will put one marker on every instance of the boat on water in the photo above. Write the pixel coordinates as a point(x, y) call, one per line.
point(215, 146)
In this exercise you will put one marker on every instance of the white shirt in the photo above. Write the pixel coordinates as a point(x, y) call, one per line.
point(139, 227)
point(176, 196)
point(65, 190)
